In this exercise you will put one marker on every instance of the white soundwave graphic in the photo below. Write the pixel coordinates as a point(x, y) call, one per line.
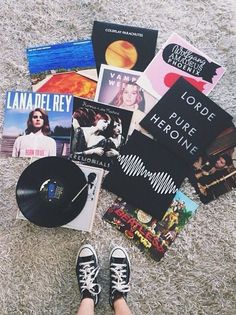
point(161, 182)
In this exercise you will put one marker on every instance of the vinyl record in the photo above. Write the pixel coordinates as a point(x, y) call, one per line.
point(47, 191)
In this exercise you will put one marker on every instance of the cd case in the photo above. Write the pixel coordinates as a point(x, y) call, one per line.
point(84, 221)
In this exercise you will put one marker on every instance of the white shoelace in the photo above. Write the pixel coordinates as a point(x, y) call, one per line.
point(87, 276)
point(119, 278)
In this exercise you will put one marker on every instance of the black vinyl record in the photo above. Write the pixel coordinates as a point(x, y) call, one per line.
point(51, 191)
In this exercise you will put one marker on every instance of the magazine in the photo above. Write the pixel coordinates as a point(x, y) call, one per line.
point(178, 58)
point(117, 87)
point(150, 235)
point(98, 132)
point(123, 46)
point(84, 221)
point(63, 68)
point(36, 124)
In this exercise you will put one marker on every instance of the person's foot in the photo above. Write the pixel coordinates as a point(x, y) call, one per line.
point(87, 270)
point(119, 274)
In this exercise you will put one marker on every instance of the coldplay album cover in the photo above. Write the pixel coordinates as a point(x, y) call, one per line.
point(63, 68)
point(152, 236)
point(123, 46)
point(214, 173)
point(178, 58)
point(98, 132)
point(36, 124)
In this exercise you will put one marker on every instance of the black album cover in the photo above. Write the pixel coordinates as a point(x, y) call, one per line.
point(98, 132)
point(146, 175)
point(123, 46)
point(186, 121)
point(214, 173)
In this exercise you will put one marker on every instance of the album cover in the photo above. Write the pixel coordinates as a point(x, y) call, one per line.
point(146, 174)
point(214, 173)
point(84, 221)
point(178, 58)
point(63, 68)
point(36, 124)
point(153, 237)
point(98, 132)
point(117, 87)
point(123, 46)
point(186, 121)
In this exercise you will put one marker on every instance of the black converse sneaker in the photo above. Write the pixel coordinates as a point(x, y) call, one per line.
point(87, 270)
point(119, 274)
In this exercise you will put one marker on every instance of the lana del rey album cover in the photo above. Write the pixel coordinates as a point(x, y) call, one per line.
point(178, 58)
point(98, 132)
point(152, 236)
point(123, 46)
point(63, 68)
point(36, 124)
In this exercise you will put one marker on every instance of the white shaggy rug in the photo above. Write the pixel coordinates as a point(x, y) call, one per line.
point(37, 265)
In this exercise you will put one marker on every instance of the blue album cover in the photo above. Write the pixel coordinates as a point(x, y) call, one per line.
point(63, 68)
point(36, 124)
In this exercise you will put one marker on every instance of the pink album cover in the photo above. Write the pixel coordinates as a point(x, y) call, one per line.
point(178, 58)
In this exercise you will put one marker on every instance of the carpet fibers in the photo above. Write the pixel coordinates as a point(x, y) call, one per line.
point(37, 265)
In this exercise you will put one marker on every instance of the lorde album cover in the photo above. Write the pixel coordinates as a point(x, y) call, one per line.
point(178, 58)
point(123, 46)
point(99, 131)
point(186, 121)
point(152, 236)
point(36, 124)
point(63, 68)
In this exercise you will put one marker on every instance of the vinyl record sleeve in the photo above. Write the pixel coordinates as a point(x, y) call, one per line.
point(85, 219)
point(123, 46)
point(186, 121)
point(146, 175)
point(51, 191)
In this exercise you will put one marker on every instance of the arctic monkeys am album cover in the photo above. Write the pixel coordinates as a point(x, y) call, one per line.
point(123, 46)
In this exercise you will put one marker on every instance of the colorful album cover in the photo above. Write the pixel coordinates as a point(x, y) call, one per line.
point(63, 68)
point(214, 173)
point(99, 131)
point(84, 221)
point(36, 124)
point(123, 46)
point(186, 121)
point(153, 237)
point(117, 87)
point(178, 58)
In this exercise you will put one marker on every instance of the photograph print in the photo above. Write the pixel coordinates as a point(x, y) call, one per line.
point(118, 87)
point(214, 173)
point(98, 132)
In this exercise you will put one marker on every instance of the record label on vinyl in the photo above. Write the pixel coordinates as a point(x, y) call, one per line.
point(51, 191)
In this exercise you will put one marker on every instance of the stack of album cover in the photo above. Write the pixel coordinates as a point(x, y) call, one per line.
point(111, 103)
